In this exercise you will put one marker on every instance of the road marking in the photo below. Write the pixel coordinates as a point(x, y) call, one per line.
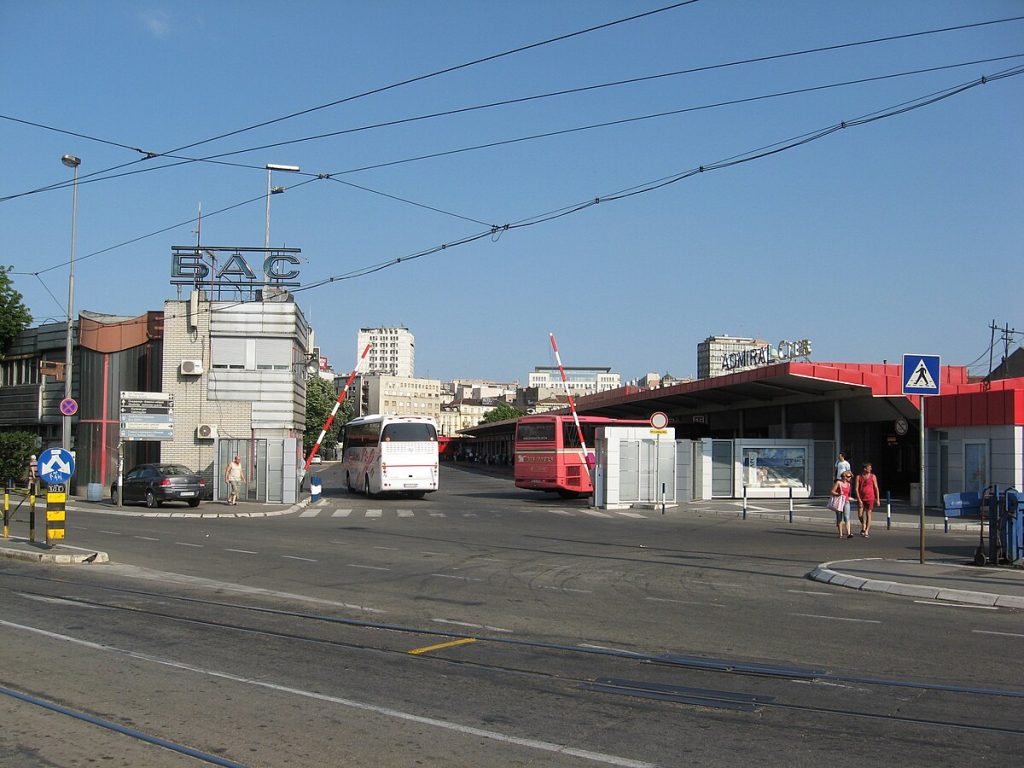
point(595, 513)
point(294, 557)
point(374, 512)
point(492, 559)
point(466, 730)
point(242, 551)
point(1001, 634)
point(321, 502)
point(449, 576)
point(368, 567)
point(341, 513)
point(469, 514)
point(145, 538)
point(438, 554)
point(682, 602)
point(60, 601)
point(470, 625)
point(570, 589)
point(187, 544)
point(835, 618)
point(808, 592)
point(957, 605)
point(405, 513)
point(391, 549)
point(632, 514)
point(437, 514)
point(561, 512)
point(439, 646)
point(309, 513)
point(111, 533)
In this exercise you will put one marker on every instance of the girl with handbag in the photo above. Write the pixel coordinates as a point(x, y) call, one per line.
point(840, 504)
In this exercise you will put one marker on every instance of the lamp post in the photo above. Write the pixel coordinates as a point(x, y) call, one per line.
point(71, 162)
point(271, 167)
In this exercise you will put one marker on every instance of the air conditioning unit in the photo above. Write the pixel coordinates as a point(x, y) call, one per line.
point(191, 367)
point(206, 431)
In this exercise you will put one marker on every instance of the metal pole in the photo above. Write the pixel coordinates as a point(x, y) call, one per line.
point(69, 346)
point(744, 501)
point(791, 504)
point(120, 473)
point(923, 398)
point(888, 510)
point(266, 236)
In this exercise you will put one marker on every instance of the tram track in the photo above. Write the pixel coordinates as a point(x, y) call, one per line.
point(816, 682)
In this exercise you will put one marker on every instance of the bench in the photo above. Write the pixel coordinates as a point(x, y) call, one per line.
point(967, 504)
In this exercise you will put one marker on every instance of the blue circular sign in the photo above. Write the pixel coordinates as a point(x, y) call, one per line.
point(55, 465)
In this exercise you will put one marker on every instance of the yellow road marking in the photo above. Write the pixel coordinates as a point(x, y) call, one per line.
point(439, 646)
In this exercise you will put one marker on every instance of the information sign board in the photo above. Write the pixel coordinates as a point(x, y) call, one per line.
point(147, 416)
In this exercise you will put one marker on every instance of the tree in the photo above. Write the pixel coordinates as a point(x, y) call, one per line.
point(502, 412)
point(15, 448)
point(14, 315)
point(320, 399)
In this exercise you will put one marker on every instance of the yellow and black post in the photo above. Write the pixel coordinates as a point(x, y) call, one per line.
point(32, 510)
point(56, 502)
point(7, 505)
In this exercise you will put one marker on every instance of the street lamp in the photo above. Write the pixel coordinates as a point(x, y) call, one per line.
point(71, 162)
point(271, 167)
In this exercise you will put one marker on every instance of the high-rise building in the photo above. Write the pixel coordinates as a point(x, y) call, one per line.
point(714, 349)
point(392, 351)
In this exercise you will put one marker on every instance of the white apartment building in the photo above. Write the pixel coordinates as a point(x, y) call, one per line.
point(716, 350)
point(481, 389)
point(393, 395)
point(581, 380)
point(462, 414)
point(392, 351)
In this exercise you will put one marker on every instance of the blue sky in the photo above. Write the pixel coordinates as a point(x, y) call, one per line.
point(899, 235)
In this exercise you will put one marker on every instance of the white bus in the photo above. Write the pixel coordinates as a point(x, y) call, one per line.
point(390, 454)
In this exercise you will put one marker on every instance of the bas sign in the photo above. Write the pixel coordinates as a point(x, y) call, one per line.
point(193, 266)
point(766, 355)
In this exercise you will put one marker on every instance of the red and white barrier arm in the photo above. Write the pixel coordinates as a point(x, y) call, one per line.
point(334, 412)
point(572, 406)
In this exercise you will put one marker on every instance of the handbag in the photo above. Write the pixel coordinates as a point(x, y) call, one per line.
point(837, 503)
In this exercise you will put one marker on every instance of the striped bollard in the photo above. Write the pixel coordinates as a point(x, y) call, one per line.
point(888, 510)
point(744, 501)
point(791, 504)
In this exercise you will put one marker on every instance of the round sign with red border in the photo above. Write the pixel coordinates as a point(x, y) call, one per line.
point(68, 406)
point(659, 420)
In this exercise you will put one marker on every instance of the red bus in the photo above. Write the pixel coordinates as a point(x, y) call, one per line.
point(548, 456)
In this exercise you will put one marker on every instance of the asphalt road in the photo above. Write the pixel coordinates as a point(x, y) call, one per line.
point(488, 626)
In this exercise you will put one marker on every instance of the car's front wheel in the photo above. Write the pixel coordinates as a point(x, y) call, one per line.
point(151, 500)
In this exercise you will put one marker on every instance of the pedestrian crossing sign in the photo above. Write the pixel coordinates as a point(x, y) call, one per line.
point(920, 374)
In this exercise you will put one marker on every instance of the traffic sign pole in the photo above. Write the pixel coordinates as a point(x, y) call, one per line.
point(922, 478)
point(922, 377)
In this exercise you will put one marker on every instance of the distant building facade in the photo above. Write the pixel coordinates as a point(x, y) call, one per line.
point(393, 395)
point(392, 351)
point(547, 380)
point(716, 350)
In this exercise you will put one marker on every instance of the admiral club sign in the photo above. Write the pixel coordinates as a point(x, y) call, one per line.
point(234, 267)
point(766, 355)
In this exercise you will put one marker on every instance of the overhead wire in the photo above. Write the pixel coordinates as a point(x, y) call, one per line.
point(102, 174)
point(746, 157)
point(549, 134)
point(373, 91)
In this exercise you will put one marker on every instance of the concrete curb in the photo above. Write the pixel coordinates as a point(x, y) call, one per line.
point(59, 555)
point(825, 574)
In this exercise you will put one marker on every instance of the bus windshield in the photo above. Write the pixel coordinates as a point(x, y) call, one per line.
point(408, 433)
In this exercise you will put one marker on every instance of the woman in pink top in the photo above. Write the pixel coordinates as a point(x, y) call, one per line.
point(867, 498)
point(842, 488)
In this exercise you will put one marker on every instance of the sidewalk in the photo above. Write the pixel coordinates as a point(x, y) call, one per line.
point(935, 580)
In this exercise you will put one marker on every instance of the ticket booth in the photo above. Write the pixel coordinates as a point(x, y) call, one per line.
point(636, 467)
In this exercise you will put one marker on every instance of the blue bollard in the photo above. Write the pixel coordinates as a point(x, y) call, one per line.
point(791, 504)
point(888, 510)
point(315, 488)
point(744, 501)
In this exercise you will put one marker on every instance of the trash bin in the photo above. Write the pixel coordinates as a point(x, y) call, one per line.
point(94, 492)
point(915, 494)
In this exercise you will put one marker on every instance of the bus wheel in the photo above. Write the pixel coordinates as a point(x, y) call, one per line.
point(348, 483)
point(366, 487)
point(568, 494)
point(417, 494)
